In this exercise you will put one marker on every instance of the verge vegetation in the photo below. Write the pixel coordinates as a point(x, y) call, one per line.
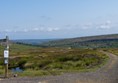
point(37, 61)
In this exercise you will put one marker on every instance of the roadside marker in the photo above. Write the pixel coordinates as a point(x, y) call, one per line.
point(6, 56)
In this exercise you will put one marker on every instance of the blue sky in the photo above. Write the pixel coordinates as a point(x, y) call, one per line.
point(44, 19)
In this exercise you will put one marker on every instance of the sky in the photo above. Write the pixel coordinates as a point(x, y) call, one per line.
point(47, 19)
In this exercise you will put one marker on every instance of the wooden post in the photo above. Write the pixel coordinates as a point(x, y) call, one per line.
point(6, 70)
point(6, 57)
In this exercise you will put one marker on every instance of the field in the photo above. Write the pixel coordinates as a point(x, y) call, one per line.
point(36, 61)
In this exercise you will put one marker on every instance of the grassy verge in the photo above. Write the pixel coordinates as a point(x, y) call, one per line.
point(37, 61)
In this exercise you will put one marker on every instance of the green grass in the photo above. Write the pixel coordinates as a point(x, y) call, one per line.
point(36, 61)
point(114, 51)
point(1, 70)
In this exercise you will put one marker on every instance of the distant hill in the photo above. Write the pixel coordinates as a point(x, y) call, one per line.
point(102, 41)
point(32, 41)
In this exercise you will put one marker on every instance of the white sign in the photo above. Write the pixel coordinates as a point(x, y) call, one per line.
point(6, 53)
point(6, 61)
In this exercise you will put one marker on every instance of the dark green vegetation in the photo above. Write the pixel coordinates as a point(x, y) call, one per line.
point(103, 41)
point(37, 61)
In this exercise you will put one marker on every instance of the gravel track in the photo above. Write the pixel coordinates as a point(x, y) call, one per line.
point(106, 74)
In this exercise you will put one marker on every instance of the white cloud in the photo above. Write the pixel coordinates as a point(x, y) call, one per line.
point(49, 29)
point(26, 30)
point(105, 25)
point(52, 29)
point(35, 29)
point(70, 27)
point(87, 26)
point(108, 22)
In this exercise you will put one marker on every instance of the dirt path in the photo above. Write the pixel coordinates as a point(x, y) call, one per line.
point(106, 74)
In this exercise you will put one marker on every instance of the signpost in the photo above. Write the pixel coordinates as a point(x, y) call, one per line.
point(6, 56)
point(6, 53)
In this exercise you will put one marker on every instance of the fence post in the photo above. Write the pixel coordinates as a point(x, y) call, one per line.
point(6, 56)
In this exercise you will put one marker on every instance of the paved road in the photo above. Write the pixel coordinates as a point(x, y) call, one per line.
point(106, 74)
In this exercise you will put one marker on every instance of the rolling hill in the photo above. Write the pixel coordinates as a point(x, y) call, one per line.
point(32, 41)
point(102, 41)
